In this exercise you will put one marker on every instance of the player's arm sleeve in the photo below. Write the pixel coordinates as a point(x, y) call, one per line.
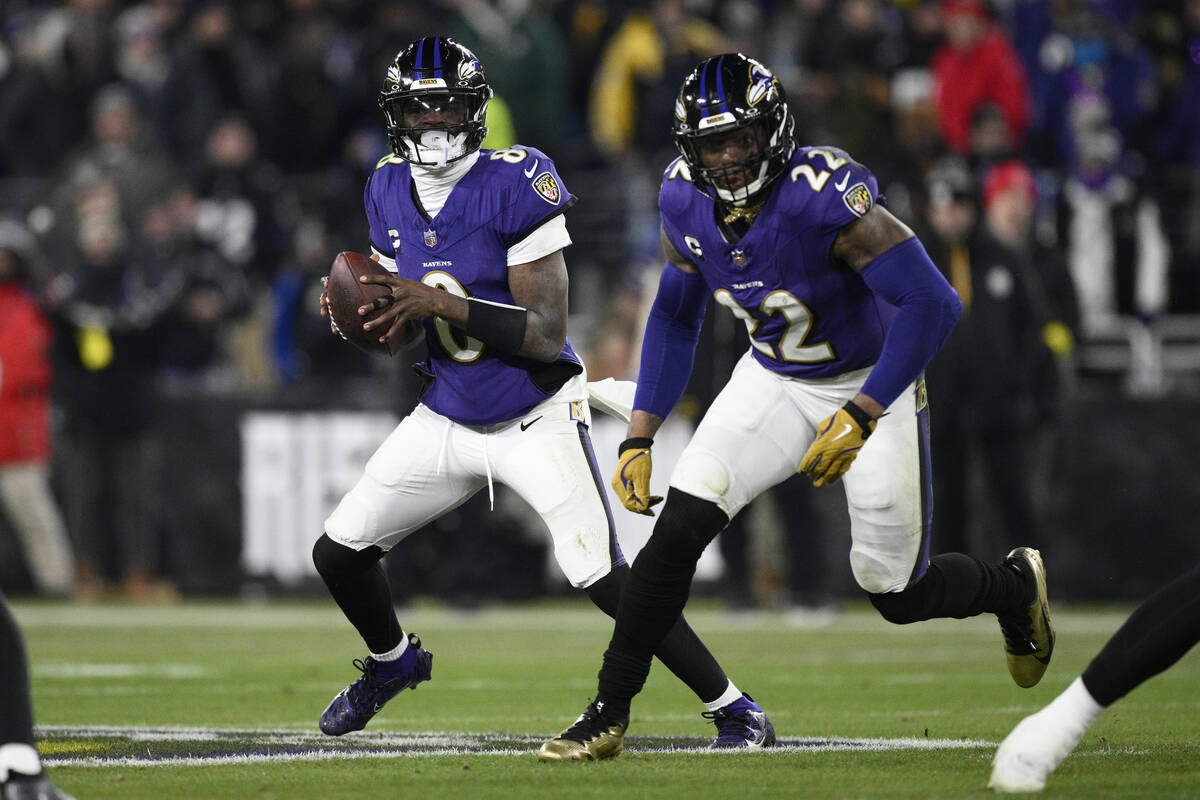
point(927, 310)
point(669, 343)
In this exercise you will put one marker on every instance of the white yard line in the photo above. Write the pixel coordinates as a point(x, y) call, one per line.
point(316, 747)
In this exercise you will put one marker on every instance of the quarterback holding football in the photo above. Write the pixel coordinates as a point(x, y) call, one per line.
point(472, 242)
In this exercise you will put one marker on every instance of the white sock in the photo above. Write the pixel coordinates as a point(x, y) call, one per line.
point(1043, 740)
point(20, 758)
point(395, 652)
point(731, 693)
point(1076, 705)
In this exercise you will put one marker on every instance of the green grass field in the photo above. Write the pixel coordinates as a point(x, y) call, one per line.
point(220, 700)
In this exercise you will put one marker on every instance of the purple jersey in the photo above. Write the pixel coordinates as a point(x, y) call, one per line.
point(808, 316)
point(503, 198)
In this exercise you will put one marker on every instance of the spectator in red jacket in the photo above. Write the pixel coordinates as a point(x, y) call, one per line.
point(976, 66)
point(25, 494)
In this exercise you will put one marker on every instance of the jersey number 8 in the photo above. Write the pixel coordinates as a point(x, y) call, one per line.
point(468, 349)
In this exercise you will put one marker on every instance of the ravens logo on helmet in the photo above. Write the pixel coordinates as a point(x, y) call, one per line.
point(723, 96)
point(435, 98)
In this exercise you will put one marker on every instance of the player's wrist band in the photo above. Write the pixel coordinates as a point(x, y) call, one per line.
point(637, 442)
point(863, 419)
point(496, 325)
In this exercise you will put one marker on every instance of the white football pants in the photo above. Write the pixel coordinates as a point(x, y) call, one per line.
point(429, 465)
point(756, 432)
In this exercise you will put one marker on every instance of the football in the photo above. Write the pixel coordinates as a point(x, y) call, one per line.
point(346, 294)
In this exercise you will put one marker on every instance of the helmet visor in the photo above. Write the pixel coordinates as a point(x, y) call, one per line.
point(447, 111)
point(731, 161)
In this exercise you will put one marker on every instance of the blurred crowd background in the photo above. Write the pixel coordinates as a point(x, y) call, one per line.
point(176, 175)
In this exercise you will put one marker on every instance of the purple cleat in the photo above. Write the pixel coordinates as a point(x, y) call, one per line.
point(354, 706)
point(742, 723)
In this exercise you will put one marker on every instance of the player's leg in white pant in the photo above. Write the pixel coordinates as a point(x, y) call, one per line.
point(751, 438)
point(888, 498)
point(547, 465)
point(419, 473)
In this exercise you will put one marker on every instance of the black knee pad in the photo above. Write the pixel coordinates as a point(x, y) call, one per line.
point(606, 592)
point(336, 563)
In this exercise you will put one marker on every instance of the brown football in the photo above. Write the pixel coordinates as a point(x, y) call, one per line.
point(346, 294)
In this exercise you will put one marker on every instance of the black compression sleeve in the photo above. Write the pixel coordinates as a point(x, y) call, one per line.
point(500, 326)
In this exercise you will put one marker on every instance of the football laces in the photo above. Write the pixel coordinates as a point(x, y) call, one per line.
point(333, 326)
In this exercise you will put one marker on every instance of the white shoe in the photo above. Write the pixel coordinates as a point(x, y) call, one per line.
point(1033, 750)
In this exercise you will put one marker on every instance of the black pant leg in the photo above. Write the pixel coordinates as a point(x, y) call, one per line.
point(1157, 634)
point(16, 709)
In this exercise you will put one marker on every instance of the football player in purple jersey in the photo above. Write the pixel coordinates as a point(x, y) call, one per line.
point(474, 240)
point(844, 310)
point(21, 773)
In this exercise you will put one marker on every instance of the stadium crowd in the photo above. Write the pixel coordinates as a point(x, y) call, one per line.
point(176, 175)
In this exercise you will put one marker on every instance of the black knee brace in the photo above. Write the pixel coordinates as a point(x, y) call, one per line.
point(337, 563)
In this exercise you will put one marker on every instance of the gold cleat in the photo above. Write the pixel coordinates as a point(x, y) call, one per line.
point(1029, 635)
point(593, 737)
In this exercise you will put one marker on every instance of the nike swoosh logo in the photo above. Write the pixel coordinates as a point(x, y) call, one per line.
point(841, 185)
point(525, 425)
point(529, 172)
point(845, 430)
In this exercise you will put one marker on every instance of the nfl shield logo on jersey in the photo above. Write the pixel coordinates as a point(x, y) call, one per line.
point(547, 187)
point(430, 237)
